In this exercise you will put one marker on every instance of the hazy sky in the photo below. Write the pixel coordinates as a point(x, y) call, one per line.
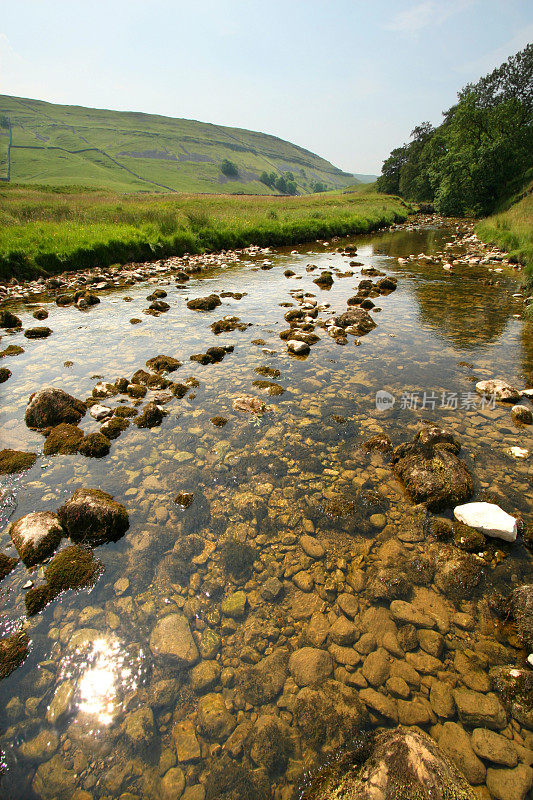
point(348, 79)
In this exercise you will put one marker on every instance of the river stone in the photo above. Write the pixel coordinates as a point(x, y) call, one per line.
point(441, 699)
point(356, 318)
point(329, 716)
point(455, 741)
point(311, 546)
point(298, 348)
point(100, 412)
point(309, 666)
point(61, 700)
point(376, 667)
point(431, 471)
point(204, 676)
point(12, 461)
point(172, 784)
point(234, 605)
point(343, 631)
point(522, 414)
point(380, 703)
point(92, 516)
point(139, 727)
point(53, 781)
point(185, 741)
point(510, 784)
point(49, 407)
point(492, 747)
point(172, 638)
point(408, 614)
point(271, 589)
point(36, 536)
point(488, 518)
point(41, 747)
point(348, 604)
point(264, 681)
point(396, 763)
point(272, 745)
point(480, 710)
point(413, 712)
point(522, 609)
point(501, 390)
point(214, 719)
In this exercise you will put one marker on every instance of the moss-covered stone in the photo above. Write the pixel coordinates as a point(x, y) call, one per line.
point(468, 538)
point(9, 320)
point(38, 333)
point(93, 516)
point(64, 439)
point(163, 363)
point(15, 461)
point(94, 445)
point(49, 407)
point(5, 374)
point(40, 314)
point(123, 412)
point(228, 780)
point(237, 558)
point(13, 652)
point(7, 565)
point(36, 536)
point(219, 422)
point(400, 764)
point(114, 427)
point(150, 416)
point(12, 350)
point(204, 303)
point(74, 567)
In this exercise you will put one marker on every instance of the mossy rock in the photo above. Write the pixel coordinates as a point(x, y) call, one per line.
point(467, 538)
point(159, 305)
point(150, 416)
point(63, 439)
point(219, 422)
point(123, 412)
point(208, 303)
point(237, 558)
point(228, 780)
point(13, 652)
point(74, 567)
point(5, 374)
point(9, 320)
point(38, 333)
point(49, 407)
point(7, 564)
point(94, 445)
point(40, 314)
point(163, 363)
point(93, 516)
point(15, 461)
point(12, 350)
point(399, 764)
point(179, 390)
point(114, 427)
point(36, 536)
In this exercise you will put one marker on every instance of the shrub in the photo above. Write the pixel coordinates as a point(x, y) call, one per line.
point(229, 169)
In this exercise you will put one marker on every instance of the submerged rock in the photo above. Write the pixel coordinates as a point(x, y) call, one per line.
point(64, 439)
point(38, 332)
point(522, 611)
point(254, 405)
point(399, 763)
point(172, 638)
point(94, 445)
point(431, 471)
point(15, 461)
point(93, 516)
point(5, 374)
point(163, 363)
point(13, 651)
point(74, 567)
point(329, 716)
point(488, 518)
point(7, 564)
point(49, 407)
point(36, 536)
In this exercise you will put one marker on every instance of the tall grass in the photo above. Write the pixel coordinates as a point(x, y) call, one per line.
point(44, 232)
point(512, 230)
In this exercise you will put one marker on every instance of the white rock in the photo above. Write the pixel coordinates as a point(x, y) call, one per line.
point(530, 659)
point(100, 412)
point(298, 348)
point(488, 518)
point(501, 390)
point(518, 452)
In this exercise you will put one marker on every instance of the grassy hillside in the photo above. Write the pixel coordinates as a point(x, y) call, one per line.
point(512, 229)
point(45, 230)
point(127, 151)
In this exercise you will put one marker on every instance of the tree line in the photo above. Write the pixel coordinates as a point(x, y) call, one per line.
point(479, 155)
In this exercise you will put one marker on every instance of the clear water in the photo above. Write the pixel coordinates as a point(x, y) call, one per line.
point(437, 333)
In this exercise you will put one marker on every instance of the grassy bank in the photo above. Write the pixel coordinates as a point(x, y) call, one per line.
point(512, 229)
point(44, 231)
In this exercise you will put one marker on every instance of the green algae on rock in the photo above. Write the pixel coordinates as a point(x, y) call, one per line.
point(13, 652)
point(74, 567)
point(64, 439)
point(93, 516)
point(12, 461)
point(49, 407)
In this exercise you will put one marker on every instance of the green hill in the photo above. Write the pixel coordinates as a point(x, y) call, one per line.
point(129, 151)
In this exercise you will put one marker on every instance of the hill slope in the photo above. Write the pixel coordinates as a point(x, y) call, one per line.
point(128, 151)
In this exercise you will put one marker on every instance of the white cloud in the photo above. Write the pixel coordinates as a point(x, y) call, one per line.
point(425, 14)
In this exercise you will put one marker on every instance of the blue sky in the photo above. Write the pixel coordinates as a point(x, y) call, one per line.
point(348, 80)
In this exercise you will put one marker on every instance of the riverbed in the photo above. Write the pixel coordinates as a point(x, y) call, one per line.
point(132, 725)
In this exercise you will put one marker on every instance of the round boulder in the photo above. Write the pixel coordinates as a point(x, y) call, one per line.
point(309, 666)
point(36, 536)
point(49, 407)
point(92, 515)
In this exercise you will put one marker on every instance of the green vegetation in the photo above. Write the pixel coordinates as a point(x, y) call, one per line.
point(133, 152)
point(512, 230)
point(229, 169)
point(50, 230)
point(480, 154)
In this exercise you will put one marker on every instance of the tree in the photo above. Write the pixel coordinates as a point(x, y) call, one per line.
point(229, 169)
point(281, 184)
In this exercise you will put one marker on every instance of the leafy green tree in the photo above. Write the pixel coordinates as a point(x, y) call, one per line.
point(229, 168)
point(281, 184)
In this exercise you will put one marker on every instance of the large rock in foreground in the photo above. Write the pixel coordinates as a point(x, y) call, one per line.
point(431, 471)
point(488, 518)
point(399, 763)
point(50, 407)
point(93, 517)
point(36, 536)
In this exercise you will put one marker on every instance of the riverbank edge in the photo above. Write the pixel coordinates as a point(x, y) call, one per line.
point(19, 265)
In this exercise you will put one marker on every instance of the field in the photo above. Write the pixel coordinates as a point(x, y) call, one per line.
point(512, 230)
point(44, 230)
point(132, 152)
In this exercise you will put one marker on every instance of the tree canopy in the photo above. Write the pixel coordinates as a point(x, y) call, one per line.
point(479, 154)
